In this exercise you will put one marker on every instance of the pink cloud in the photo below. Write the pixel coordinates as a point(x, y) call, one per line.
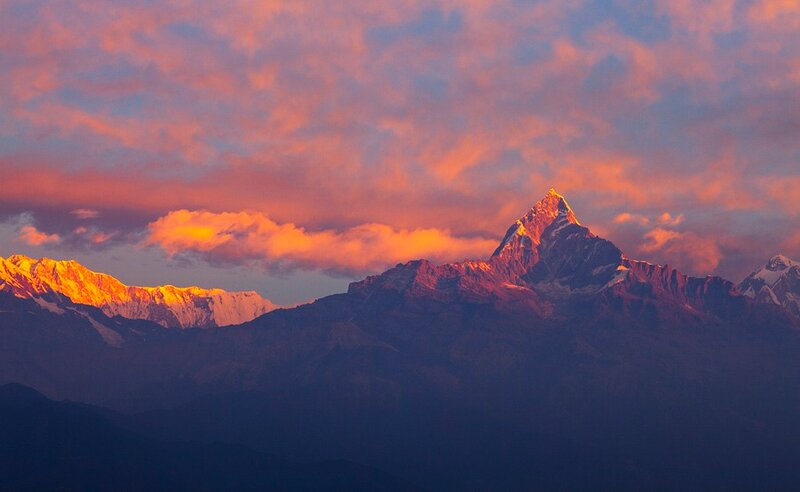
point(705, 16)
point(770, 11)
point(30, 235)
point(784, 191)
point(687, 250)
point(100, 237)
point(791, 245)
point(423, 115)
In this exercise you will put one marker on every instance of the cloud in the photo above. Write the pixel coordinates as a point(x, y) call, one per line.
point(769, 11)
point(100, 237)
point(662, 238)
point(699, 255)
point(85, 213)
point(242, 237)
point(706, 16)
point(626, 217)
point(425, 115)
point(668, 220)
point(658, 238)
point(665, 219)
point(784, 191)
point(32, 236)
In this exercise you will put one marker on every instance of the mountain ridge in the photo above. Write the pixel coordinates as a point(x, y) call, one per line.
point(548, 263)
point(546, 259)
point(451, 375)
point(167, 305)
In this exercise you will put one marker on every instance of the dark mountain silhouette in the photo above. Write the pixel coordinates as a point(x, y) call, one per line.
point(48, 445)
point(556, 363)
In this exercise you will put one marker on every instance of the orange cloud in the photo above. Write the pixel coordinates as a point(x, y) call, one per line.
point(248, 236)
point(667, 219)
point(658, 238)
point(416, 114)
point(626, 217)
point(463, 155)
point(31, 235)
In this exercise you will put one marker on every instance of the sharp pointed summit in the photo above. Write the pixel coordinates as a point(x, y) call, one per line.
point(549, 244)
point(526, 233)
point(546, 252)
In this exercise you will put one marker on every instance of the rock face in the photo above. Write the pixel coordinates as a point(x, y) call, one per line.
point(169, 306)
point(777, 282)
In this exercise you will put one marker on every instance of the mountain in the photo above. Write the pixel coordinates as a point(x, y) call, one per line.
point(777, 282)
point(169, 306)
point(557, 362)
point(49, 445)
point(550, 264)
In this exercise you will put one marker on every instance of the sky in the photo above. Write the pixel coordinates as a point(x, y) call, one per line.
point(292, 147)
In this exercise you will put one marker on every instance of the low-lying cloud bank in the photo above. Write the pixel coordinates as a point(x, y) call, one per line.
point(242, 237)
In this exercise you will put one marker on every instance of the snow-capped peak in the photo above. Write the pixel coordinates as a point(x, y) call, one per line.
point(173, 307)
point(779, 263)
point(777, 282)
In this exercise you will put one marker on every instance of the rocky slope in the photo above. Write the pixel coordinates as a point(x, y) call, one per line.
point(169, 306)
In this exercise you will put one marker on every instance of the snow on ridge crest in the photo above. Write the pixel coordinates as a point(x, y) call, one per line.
point(169, 306)
point(777, 282)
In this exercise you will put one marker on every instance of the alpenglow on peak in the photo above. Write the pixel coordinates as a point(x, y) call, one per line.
point(527, 231)
point(167, 305)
